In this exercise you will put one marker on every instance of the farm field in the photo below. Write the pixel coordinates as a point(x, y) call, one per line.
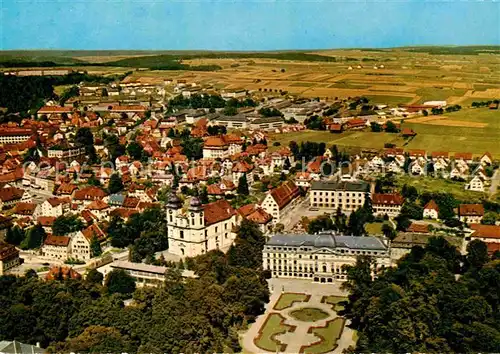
point(474, 130)
point(390, 76)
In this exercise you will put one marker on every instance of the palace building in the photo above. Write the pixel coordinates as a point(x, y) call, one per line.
point(321, 257)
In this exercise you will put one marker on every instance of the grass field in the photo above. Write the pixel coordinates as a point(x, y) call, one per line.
point(334, 300)
point(309, 314)
point(286, 300)
point(273, 326)
point(375, 228)
point(329, 336)
point(429, 184)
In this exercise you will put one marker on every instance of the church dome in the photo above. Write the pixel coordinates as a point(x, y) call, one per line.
point(195, 204)
point(174, 201)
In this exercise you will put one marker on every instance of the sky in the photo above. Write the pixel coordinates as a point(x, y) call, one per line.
point(245, 24)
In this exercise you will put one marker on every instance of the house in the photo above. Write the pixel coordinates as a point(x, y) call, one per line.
point(303, 179)
point(201, 228)
point(336, 128)
point(62, 273)
point(431, 210)
point(221, 146)
point(476, 184)
point(80, 242)
point(471, 213)
point(53, 206)
point(22, 210)
point(10, 196)
point(56, 247)
point(255, 213)
point(355, 124)
point(279, 198)
point(387, 204)
point(14, 135)
point(9, 257)
point(408, 132)
point(87, 195)
point(486, 233)
point(224, 187)
point(463, 156)
point(418, 228)
point(486, 159)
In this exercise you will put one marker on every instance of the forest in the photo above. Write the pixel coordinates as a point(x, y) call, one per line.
point(434, 301)
point(194, 315)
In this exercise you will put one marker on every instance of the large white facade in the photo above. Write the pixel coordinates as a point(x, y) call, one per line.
point(348, 196)
point(321, 257)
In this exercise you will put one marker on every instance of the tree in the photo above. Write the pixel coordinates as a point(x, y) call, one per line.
point(390, 127)
point(248, 245)
point(321, 223)
point(65, 224)
point(403, 222)
point(95, 247)
point(84, 137)
point(135, 150)
point(94, 277)
point(409, 192)
point(34, 237)
point(375, 127)
point(115, 183)
point(389, 232)
point(118, 281)
point(477, 254)
point(243, 185)
point(96, 339)
point(356, 224)
point(14, 236)
point(489, 218)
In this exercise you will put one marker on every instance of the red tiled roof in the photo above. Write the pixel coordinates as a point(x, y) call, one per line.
point(10, 194)
point(485, 231)
point(416, 152)
point(130, 202)
point(436, 154)
point(54, 109)
point(215, 142)
point(471, 210)
point(57, 241)
point(218, 211)
point(46, 220)
point(418, 228)
point(335, 127)
point(62, 273)
point(66, 189)
point(89, 193)
point(463, 155)
point(94, 230)
point(97, 205)
point(24, 208)
point(493, 247)
point(408, 132)
point(387, 199)
point(432, 205)
point(285, 193)
point(7, 251)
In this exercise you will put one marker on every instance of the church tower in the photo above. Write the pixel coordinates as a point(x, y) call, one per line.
point(176, 244)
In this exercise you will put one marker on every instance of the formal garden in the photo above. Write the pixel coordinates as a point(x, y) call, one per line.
point(299, 322)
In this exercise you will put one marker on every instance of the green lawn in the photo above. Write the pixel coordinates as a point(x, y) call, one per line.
point(329, 335)
point(374, 228)
point(334, 300)
point(389, 100)
point(286, 300)
point(309, 314)
point(429, 184)
point(438, 94)
point(272, 327)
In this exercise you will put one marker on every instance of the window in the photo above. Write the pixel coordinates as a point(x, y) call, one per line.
point(181, 234)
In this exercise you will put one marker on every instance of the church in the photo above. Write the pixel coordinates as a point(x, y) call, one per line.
point(199, 228)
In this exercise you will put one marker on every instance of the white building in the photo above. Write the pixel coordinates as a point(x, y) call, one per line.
point(387, 204)
point(14, 135)
point(348, 196)
point(475, 184)
point(56, 247)
point(200, 229)
point(431, 210)
point(321, 257)
point(279, 198)
point(471, 213)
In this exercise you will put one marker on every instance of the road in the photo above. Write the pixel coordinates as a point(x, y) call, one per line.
point(495, 181)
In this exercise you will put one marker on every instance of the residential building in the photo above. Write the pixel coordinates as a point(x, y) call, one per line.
point(221, 146)
point(81, 240)
point(279, 198)
point(56, 247)
point(201, 229)
point(387, 204)
point(66, 152)
point(10, 196)
point(320, 258)
point(16, 347)
point(348, 196)
point(9, 257)
point(255, 213)
point(14, 135)
point(431, 210)
point(486, 233)
point(471, 213)
point(476, 184)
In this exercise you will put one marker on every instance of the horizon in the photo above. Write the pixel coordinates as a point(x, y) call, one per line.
point(251, 26)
